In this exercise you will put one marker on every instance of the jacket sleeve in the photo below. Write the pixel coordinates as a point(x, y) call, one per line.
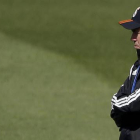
point(125, 105)
point(126, 110)
point(126, 101)
point(118, 113)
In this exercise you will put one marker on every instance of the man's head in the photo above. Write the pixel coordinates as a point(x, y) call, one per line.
point(134, 25)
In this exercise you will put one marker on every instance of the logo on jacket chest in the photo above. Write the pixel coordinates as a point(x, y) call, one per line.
point(134, 72)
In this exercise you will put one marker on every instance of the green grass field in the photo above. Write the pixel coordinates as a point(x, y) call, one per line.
point(60, 63)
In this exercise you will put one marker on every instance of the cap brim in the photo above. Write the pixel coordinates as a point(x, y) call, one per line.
point(129, 24)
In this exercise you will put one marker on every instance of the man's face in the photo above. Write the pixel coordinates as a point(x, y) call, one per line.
point(136, 38)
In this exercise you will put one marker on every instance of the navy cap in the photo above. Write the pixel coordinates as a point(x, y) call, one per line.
point(132, 23)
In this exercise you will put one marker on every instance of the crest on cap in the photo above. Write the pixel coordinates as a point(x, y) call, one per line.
point(136, 11)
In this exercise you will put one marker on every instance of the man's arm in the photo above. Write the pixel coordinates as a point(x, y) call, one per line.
point(129, 103)
point(116, 113)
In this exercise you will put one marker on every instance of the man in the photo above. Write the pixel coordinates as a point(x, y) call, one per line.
point(126, 102)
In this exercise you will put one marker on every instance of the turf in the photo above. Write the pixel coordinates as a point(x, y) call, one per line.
point(48, 96)
point(61, 61)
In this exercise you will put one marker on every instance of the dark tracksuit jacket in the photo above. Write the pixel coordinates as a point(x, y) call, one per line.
point(125, 109)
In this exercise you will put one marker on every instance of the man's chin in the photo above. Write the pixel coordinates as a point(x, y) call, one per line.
point(137, 47)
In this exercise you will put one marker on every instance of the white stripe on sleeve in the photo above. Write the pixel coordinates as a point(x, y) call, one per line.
point(127, 100)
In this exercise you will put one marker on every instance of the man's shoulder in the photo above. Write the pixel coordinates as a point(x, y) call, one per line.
point(137, 62)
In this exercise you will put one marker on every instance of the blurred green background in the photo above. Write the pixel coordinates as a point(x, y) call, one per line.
point(60, 63)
